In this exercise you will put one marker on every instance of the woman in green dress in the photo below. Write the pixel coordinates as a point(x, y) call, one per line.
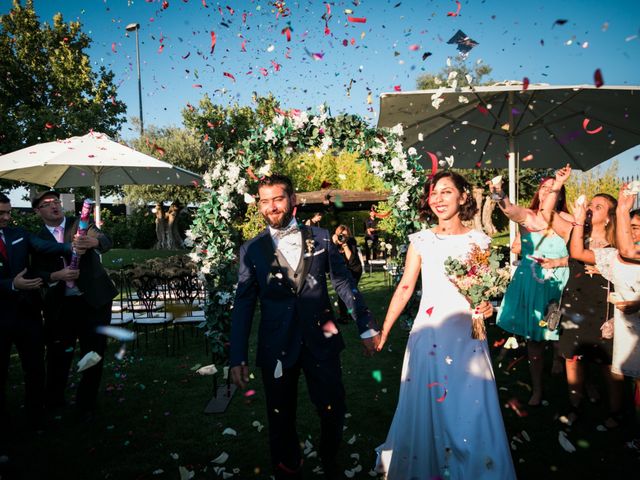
point(539, 279)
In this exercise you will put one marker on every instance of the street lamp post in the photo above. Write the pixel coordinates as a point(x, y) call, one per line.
point(130, 28)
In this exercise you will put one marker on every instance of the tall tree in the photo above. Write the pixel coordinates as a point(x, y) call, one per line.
point(48, 89)
point(478, 71)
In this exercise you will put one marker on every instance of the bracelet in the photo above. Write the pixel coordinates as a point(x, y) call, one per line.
point(577, 224)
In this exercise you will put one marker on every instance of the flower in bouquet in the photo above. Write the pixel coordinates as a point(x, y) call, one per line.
point(479, 277)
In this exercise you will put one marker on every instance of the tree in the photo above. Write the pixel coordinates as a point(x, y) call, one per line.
point(461, 67)
point(593, 182)
point(48, 89)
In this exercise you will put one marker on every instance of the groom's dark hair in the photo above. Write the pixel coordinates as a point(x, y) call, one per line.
point(277, 179)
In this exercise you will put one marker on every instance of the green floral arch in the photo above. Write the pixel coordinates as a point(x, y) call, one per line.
point(214, 233)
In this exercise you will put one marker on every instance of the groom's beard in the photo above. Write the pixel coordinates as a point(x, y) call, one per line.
point(279, 219)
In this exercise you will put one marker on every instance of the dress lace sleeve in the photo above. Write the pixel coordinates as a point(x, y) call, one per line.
point(604, 261)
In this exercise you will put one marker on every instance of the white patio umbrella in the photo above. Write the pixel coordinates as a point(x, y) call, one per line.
point(505, 124)
point(91, 160)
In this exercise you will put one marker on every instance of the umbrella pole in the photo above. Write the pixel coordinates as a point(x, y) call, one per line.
point(512, 181)
point(96, 186)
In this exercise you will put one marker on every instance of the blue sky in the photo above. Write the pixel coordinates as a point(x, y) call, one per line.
point(518, 39)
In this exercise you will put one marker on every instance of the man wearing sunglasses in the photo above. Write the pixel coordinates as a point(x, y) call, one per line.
point(76, 302)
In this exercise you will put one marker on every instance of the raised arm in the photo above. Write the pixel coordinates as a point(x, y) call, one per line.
point(403, 293)
point(624, 240)
point(576, 243)
point(560, 225)
point(513, 212)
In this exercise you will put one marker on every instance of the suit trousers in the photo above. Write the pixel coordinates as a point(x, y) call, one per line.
point(27, 335)
point(324, 383)
point(74, 320)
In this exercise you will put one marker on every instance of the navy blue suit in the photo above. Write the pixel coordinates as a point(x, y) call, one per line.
point(67, 318)
point(21, 319)
point(292, 317)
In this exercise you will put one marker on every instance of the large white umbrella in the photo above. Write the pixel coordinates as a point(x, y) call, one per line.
point(91, 160)
point(503, 125)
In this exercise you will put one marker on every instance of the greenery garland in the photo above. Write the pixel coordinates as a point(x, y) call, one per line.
point(214, 232)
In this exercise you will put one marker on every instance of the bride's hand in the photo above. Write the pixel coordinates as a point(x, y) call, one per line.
point(485, 308)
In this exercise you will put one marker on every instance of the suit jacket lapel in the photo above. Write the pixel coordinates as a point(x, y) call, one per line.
point(70, 229)
point(307, 254)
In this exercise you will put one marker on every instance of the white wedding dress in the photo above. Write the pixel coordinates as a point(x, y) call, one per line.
point(448, 421)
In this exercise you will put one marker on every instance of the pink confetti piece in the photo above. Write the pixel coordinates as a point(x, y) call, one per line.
point(213, 40)
point(414, 47)
point(434, 163)
point(585, 123)
point(356, 19)
point(113, 47)
point(528, 158)
point(397, 88)
point(525, 83)
point(597, 78)
point(228, 75)
point(429, 311)
point(443, 396)
point(455, 14)
point(249, 393)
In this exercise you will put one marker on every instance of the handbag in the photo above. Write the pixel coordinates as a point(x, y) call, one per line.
point(606, 329)
point(553, 314)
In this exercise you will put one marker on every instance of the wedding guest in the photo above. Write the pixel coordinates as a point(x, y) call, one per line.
point(73, 309)
point(539, 279)
point(584, 300)
point(371, 231)
point(285, 267)
point(435, 435)
point(348, 248)
point(315, 220)
point(20, 317)
point(625, 275)
point(627, 247)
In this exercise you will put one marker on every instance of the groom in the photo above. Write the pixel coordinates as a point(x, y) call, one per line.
point(285, 267)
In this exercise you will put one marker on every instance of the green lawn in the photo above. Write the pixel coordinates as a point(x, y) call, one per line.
point(151, 419)
point(118, 257)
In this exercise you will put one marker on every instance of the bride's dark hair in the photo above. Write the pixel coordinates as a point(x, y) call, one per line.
point(467, 210)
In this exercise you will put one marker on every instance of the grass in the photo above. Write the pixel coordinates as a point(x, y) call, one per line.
point(151, 419)
point(118, 257)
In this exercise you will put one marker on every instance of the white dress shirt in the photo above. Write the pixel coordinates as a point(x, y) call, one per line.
point(290, 246)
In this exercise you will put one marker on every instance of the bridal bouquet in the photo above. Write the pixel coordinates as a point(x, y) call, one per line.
point(479, 277)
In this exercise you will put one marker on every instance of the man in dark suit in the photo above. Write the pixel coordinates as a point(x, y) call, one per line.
point(285, 268)
point(20, 317)
point(72, 312)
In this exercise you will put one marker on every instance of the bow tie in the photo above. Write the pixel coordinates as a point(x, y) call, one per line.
point(283, 232)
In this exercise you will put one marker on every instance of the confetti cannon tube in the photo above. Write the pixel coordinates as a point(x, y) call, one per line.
point(83, 227)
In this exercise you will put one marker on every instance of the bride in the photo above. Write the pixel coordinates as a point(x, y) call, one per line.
point(448, 422)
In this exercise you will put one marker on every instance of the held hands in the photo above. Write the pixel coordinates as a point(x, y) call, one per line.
point(82, 243)
point(371, 345)
point(21, 283)
point(240, 375)
point(65, 275)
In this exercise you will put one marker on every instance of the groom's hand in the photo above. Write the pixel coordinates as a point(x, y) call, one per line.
point(371, 345)
point(240, 375)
